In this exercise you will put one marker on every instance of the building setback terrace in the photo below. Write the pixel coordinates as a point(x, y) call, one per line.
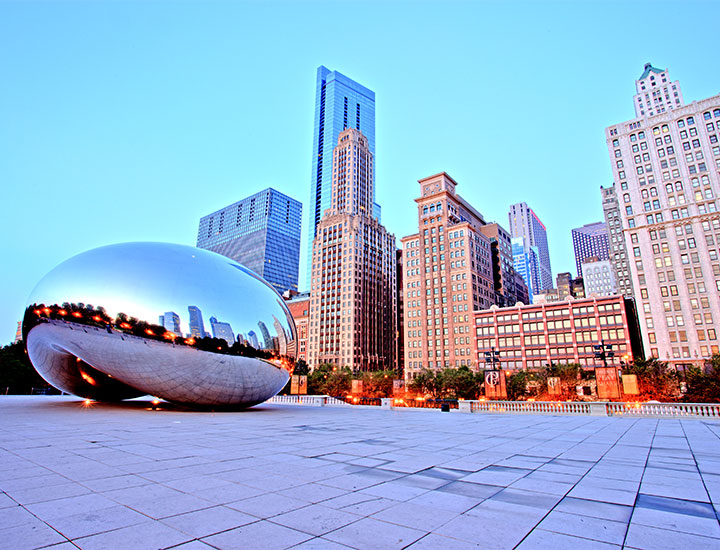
point(102, 476)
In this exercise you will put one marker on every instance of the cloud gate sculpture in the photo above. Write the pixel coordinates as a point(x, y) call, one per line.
point(173, 321)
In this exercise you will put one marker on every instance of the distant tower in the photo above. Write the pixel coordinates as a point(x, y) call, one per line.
point(253, 339)
point(266, 335)
point(590, 241)
point(352, 287)
point(171, 322)
point(340, 103)
point(197, 327)
point(262, 232)
point(618, 249)
point(655, 93)
point(222, 330)
point(524, 222)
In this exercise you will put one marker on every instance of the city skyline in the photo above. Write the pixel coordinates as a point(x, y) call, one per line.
point(66, 146)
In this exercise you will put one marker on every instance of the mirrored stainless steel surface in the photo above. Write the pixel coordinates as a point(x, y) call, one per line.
point(174, 321)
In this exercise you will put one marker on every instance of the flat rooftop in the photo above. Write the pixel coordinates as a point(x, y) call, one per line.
point(283, 476)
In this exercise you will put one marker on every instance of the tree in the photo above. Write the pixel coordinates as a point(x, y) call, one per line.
point(517, 384)
point(16, 372)
point(427, 382)
point(654, 379)
point(703, 385)
point(459, 383)
point(327, 379)
point(378, 383)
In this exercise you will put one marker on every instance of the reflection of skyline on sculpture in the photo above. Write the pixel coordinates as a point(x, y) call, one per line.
point(149, 288)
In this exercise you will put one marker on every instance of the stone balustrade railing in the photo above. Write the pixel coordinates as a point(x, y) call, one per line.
point(590, 408)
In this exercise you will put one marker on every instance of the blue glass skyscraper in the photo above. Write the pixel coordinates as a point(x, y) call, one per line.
point(262, 232)
point(340, 103)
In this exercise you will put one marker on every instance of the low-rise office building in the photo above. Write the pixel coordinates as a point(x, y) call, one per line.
point(533, 336)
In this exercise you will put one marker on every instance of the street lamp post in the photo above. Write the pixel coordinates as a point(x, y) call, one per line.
point(493, 357)
point(604, 351)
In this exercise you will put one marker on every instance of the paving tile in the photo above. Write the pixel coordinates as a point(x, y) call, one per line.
point(491, 528)
point(438, 542)
point(150, 535)
point(315, 519)
point(372, 534)
point(597, 529)
point(29, 535)
point(595, 509)
point(268, 505)
point(202, 523)
point(415, 515)
point(546, 540)
point(261, 534)
point(92, 522)
point(645, 537)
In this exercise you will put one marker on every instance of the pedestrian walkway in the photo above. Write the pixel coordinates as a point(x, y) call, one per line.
point(284, 476)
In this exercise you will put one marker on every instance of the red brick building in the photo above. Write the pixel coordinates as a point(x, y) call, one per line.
point(532, 336)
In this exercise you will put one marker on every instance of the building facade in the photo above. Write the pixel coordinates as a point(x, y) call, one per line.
point(616, 238)
point(262, 232)
point(533, 336)
point(599, 277)
point(340, 103)
point(590, 240)
point(504, 283)
point(448, 274)
point(221, 329)
point(525, 263)
point(299, 306)
point(352, 287)
point(171, 321)
point(197, 326)
point(655, 93)
point(666, 167)
point(525, 223)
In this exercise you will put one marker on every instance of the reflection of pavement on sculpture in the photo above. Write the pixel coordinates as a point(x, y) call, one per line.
point(92, 362)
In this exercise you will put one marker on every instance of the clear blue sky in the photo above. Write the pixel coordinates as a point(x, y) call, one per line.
point(125, 121)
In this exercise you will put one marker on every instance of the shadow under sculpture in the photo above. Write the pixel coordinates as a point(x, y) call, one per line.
point(126, 320)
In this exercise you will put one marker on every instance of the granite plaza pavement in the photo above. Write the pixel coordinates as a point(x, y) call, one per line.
point(282, 476)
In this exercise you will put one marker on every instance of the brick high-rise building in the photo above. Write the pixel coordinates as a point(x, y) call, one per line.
point(448, 275)
point(665, 164)
point(299, 306)
point(353, 284)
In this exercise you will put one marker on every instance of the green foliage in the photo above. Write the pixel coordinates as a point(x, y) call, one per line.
point(378, 383)
point(329, 380)
point(654, 379)
point(16, 372)
point(427, 382)
point(703, 385)
point(451, 383)
point(518, 385)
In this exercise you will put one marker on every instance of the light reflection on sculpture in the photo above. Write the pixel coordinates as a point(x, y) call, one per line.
point(126, 320)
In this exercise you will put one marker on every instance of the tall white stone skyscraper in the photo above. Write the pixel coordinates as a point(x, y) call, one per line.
point(655, 93)
point(525, 223)
point(353, 304)
point(665, 165)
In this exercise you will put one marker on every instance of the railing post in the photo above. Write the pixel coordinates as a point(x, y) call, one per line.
point(465, 406)
point(598, 409)
point(386, 403)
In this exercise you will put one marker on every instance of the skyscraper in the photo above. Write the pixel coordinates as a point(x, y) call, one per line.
point(171, 322)
point(222, 330)
point(525, 263)
point(590, 240)
point(655, 93)
point(262, 232)
point(618, 249)
point(448, 267)
point(665, 165)
point(197, 327)
point(340, 103)
point(352, 288)
point(524, 222)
